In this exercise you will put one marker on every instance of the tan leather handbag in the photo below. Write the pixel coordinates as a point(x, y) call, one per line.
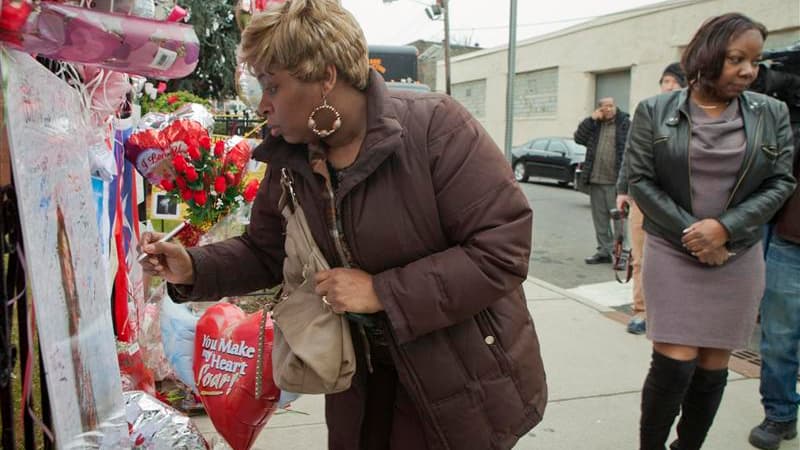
point(312, 351)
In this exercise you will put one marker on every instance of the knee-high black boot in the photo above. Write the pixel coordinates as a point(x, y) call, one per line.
point(663, 392)
point(700, 406)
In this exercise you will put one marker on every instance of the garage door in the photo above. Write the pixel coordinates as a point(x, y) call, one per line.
point(614, 84)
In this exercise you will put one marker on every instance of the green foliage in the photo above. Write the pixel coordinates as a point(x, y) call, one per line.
point(162, 102)
point(216, 28)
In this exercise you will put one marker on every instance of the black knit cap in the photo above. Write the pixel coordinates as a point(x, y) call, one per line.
point(675, 70)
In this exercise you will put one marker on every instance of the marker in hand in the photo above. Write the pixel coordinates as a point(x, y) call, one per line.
point(165, 238)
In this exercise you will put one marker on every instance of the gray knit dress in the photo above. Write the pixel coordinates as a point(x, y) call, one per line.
point(688, 302)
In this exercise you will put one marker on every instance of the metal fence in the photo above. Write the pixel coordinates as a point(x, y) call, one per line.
point(225, 125)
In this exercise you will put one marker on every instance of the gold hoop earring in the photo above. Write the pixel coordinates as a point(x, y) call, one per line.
point(312, 123)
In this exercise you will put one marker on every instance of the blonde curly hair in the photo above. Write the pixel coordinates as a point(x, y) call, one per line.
point(304, 37)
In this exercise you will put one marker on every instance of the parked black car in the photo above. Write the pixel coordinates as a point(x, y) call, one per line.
point(550, 157)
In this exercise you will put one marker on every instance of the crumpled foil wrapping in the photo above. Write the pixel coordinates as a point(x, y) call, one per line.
point(157, 426)
point(189, 111)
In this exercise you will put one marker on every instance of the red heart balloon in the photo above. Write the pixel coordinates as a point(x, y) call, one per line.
point(225, 359)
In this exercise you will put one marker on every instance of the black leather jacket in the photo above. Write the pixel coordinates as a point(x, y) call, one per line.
point(660, 177)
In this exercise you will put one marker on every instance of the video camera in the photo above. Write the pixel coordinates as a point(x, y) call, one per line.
point(781, 78)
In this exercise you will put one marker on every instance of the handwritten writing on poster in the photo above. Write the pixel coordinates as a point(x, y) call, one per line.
point(48, 139)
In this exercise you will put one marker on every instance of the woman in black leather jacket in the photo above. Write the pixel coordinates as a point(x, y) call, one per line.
point(708, 166)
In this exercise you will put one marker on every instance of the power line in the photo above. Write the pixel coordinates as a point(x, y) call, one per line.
point(535, 24)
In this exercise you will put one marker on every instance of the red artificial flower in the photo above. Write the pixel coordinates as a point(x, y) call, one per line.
point(191, 174)
point(186, 195)
point(180, 182)
point(220, 184)
point(205, 142)
point(179, 162)
point(166, 185)
point(193, 152)
point(162, 87)
point(200, 197)
point(250, 191)
point(230, 177)
point(219, 149)
point(172, 99)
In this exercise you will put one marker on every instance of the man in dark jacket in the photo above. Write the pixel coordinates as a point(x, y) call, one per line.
point(780, 307)
point(603, 134)
point(780, 328)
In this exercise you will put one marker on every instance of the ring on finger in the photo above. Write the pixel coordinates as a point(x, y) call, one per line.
point(325, 300)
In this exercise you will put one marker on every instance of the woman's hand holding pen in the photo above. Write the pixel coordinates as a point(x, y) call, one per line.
point(166, 260)
point(706, 241)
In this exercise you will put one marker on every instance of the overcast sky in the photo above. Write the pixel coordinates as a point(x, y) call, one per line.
point(484, 22)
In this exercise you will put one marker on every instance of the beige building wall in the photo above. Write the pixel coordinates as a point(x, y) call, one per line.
point(643, 40)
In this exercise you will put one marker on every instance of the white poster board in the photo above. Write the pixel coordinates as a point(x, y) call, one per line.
point(49, 152)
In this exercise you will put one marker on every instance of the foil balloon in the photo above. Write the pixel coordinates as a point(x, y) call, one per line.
point(128, 44)
point(154, 425)
point(197, 113)
point(226, 369)
point(247, 87)
point(160, 137)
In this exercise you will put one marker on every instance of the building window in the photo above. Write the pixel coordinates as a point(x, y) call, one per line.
point(472, 95)
point(536, 93)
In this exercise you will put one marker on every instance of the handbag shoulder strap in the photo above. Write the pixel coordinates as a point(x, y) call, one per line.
point(288, 195)
point(297, 215)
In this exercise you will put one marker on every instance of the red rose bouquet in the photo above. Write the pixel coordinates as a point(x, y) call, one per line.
point(208, 178)
point(174, 151)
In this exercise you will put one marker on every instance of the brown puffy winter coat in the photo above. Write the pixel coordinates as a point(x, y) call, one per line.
point(430, 208)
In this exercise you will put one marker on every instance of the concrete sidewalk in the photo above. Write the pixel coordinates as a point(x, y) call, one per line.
point(595, 372)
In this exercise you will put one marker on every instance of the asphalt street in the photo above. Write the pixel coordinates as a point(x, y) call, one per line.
point(563, 236)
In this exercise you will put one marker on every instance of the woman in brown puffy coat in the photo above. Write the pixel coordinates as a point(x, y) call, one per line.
point(412, 202)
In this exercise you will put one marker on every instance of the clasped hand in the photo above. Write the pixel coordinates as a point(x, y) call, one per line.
point(348, 290)
point(706, 240)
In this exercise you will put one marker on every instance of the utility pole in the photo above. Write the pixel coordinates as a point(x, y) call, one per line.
point(512, 52)
point(446, 6)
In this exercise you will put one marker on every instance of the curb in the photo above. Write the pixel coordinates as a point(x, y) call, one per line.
point(571, 295)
